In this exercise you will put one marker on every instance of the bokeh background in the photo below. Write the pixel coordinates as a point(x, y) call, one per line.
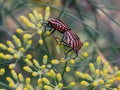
point(95, 21)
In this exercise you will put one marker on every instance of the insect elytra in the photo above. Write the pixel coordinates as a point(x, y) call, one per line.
point(73, 41)
point(58, 25)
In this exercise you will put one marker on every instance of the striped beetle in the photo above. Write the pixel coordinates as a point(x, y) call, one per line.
point(73, 41)
point(58, 25)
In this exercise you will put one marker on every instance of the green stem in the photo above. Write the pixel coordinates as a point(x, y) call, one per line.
point(110, 17)
point(64, 69)
point(64, 8)
point(5, 85)
point(46, 46)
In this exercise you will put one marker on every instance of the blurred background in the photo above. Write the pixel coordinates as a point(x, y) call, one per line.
point(95, 21)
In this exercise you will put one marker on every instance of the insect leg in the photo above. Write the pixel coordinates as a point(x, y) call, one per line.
point(76, 54)
point(68, 52)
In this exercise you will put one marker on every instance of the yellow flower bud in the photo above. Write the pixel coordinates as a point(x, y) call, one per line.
point(101, 81)
point(98, 60)
point(20, 76)
point(12, 66)
point(27, 36)
point(36, 14)
point(36, 63)
point(43, 66)
point(60, 85)
point(31, 25)
point(29, 56)
point(10, 44)
point(67, 69)
point(8, 56)
point(106, 65)
point(27, 80)
point(30, 87)
point(107, 85)
point(40, 85)
point(110, 81)
point(86, 44)
point(22, 50)
point(32, 18)
point(59, 77)
point(49, 74)
point(45, 58)
point(34, 74)
point(11, 50)
point(29, 43)
point(39, 80)
point(52, 73)
point(92, 68)
point(2, 46)
point(78, 73)
point(87, 76)
point(47, 13)
point(63, 60)
point(19, 31)
point(85, 54)
point(17, 40)
point(25, 88)
point(2, 56)
point(48, 33)
point(9, 80)
point(97, 72)
point(95, 83)
point(12, 85)
point(2, 71)
point(14, 74)
point(28, 62)
point(72, 84)
point(24, 19)
point(72, 61)
point(27, 69)
point(46, 87)
point(39, 25)
point(115, 68)
point(40, 32)
point(41, 42)
point(84, 83)
point(55, 61)
point(16, 56)
point(45, 80)
point(40, 17)
point(105, 71)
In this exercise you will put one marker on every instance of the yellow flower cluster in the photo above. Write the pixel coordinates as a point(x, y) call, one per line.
point(35, 68)
point(17, 48)
point(100, 76)
point(36, 23)
point(57, 77)
point(14, 50)
point(18, 82)
point(45, 72)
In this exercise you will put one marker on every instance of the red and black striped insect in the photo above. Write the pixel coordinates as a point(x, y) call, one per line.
point(58, 25)
point(70, 39)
